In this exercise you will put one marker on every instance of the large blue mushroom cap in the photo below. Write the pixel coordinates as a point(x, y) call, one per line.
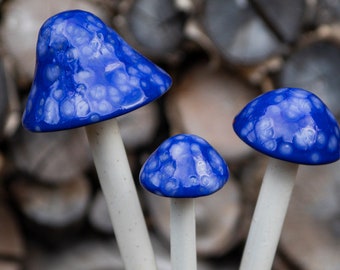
point(290, 124)
point(184, 166)
point(86, 73)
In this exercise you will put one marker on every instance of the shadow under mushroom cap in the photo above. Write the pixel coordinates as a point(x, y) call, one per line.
point(291, 124)
point(184, 166)
point(86, 73)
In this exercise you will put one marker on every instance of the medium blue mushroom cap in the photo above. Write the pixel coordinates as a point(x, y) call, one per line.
point(184, 166)
point(86, 73)
point(290, 124)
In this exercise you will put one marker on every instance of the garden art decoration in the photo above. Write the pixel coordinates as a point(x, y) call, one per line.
point(86, 75)
point(184, 167)
point(293, 126)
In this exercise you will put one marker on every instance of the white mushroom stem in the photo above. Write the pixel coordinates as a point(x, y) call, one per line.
point(183, 234)
point(269, 215)
point(121, 195)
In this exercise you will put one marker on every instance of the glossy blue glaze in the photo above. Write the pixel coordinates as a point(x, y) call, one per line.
point(291, 124)
point(86, 73)
point(184, 166)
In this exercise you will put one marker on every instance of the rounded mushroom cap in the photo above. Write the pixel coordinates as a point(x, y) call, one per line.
point(86, 73)
point(291, 124)
point(184, 166)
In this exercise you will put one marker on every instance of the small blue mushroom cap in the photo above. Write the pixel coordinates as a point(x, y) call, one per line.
point(290, 124)
point(184, 166)
point(86, 73)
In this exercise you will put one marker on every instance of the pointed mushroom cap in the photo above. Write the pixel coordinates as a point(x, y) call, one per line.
point(290, 124)
point(86, 73)
point(184, 166)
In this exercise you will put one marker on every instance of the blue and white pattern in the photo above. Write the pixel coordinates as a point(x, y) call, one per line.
point(184, 166)
point(86, 73)
point(291, 124)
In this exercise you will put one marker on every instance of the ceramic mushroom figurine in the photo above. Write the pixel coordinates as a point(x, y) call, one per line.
point(86, 75)
point(293, 126)
point(184, 167)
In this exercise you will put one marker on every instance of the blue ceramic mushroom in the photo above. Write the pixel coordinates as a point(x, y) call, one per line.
point(293, 126)
point(184, 166)
point(86, 73)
